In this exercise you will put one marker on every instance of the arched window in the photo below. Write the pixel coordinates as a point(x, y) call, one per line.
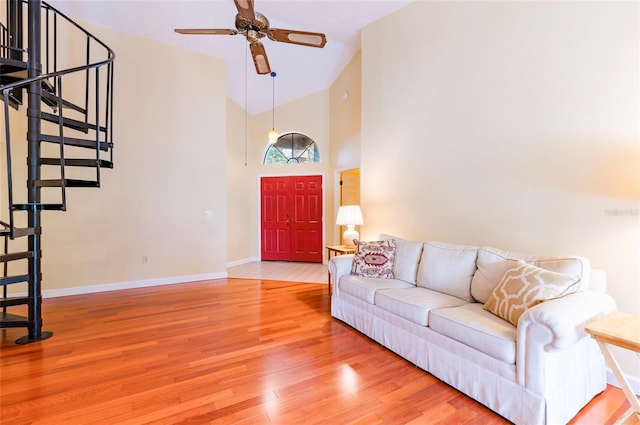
point(292, 148)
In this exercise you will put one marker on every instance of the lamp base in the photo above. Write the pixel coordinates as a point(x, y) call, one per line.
point(349, 235)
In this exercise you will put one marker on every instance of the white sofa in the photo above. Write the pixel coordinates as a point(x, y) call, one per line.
point(542, 371)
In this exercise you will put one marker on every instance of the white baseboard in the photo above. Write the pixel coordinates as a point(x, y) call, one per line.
point(90, 289)
point(242, 261)
point(632, 380)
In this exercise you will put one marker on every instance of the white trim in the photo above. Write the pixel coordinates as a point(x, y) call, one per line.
point(90, 289)
point(242, 261)
point(633, 381)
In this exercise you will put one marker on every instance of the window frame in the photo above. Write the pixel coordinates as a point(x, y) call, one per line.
point(290, 159)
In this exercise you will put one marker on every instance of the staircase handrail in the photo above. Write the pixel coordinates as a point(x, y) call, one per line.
point(5, 90)
point(110, 56)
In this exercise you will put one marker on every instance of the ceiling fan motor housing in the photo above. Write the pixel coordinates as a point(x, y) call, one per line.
point(252, 29)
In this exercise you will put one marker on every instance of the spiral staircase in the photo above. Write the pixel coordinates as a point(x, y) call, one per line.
point(68, 140)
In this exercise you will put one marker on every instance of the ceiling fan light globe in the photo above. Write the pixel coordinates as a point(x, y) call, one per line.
point(253, 36)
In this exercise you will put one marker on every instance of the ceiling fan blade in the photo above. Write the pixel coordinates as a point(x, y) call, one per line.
point(260, 58)
point(205, 31)
point(245, 9)
point(304, 38)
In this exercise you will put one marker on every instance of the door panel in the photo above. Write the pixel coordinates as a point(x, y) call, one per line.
point(307, 219)
point(296, 214)
point(276, 241)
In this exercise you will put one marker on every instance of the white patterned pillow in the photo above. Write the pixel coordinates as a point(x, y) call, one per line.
point(374, 259)
point(524, 286)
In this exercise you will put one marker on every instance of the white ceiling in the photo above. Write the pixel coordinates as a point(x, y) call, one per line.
point(300, 70)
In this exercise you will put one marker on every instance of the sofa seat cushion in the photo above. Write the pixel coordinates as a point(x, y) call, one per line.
point(364, 288)
point(474, 326)
point(414, 303)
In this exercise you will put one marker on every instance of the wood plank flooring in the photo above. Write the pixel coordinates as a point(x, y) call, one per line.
point(227, 351)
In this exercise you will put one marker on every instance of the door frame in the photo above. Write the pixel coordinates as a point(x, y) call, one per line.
point(336, 198)
point(322, 175)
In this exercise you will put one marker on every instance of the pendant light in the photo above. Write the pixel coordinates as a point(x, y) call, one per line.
point(273, 134)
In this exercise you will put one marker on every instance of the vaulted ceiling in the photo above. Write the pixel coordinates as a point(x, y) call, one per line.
point(300, 70)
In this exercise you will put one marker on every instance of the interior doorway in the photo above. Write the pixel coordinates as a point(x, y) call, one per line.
point(291, 218)
point(349, 192)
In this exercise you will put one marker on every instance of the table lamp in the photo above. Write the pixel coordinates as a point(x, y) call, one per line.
point(350, 216)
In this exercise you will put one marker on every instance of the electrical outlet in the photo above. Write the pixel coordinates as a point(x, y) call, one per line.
point(145, 259)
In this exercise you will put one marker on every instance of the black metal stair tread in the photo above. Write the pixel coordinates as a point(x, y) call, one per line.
point(12, 77)
point(15, 256)
point(8, 320)
point(51, 99)
point(11, 65)
point(78, 162)
point(74, 141)
point(10, 280)
point(38, 207)
point(71, 123)
point(11, 301)
point(67, 183)
point(18, 231)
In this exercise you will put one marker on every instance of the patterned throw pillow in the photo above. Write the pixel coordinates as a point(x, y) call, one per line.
point(525, 286)
point(374, 259)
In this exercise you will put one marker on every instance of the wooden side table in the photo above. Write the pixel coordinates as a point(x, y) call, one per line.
point(622, 330)
point(337, 250)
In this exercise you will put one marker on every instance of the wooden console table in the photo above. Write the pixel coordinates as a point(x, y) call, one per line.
point(622, 330)
point(337, 250)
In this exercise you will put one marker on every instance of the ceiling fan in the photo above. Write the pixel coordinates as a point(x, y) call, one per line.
point(254, 26)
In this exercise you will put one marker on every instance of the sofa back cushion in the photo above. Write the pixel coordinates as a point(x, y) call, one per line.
point(447, 268)
point(407, 258)
point(494, 263)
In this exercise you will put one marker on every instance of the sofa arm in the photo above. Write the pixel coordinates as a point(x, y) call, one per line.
point(339, 266)
point(566, 317)
point(553, 326)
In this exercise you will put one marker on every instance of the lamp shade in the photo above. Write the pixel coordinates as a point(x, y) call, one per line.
point(349, 214)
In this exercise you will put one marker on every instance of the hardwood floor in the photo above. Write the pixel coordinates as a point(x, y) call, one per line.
point(228, 351)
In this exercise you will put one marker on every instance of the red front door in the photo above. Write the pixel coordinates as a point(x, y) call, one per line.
point(291, 218)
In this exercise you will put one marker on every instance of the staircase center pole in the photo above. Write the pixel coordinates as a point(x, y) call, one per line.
point(34, 68)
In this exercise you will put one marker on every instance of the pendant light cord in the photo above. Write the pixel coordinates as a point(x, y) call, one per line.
point(273, 100)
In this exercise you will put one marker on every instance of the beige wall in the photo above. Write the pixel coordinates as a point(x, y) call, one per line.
point(170, 136)
point(330, 120)
point(345, 97)
point(241, 233)
point(310, 116)
point(508, 124)
point(346, 109)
